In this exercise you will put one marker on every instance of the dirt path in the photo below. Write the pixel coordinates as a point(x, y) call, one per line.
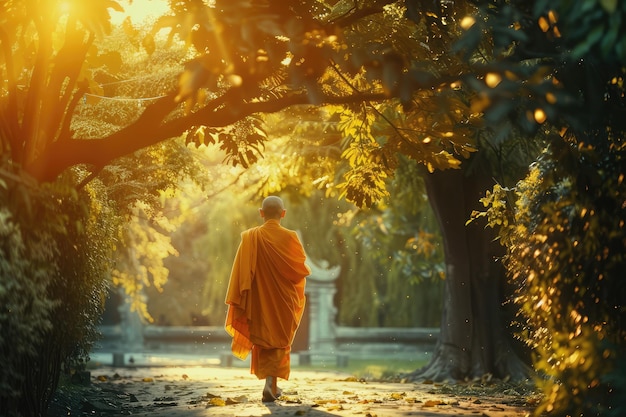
point(217, 391)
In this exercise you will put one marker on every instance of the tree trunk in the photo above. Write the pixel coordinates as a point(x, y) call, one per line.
point(475, 340)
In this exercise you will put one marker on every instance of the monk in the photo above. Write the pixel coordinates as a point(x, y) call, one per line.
point(265, 296)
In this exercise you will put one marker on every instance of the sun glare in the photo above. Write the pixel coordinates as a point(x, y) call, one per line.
point(139, 11)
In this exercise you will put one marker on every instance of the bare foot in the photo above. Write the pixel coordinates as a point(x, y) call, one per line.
point(268, 397)
point(271, 392)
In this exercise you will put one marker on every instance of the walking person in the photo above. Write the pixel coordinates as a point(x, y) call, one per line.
point(265, 296)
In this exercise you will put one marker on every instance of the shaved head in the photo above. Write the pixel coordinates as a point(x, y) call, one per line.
point(273, 207)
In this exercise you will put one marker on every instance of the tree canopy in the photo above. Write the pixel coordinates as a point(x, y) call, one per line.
point(244, 58)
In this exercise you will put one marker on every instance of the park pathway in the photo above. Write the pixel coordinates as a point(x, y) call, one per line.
point(194, 391)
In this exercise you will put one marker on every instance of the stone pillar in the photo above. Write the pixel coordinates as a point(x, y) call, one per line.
point(320, 290)
point(131, 326)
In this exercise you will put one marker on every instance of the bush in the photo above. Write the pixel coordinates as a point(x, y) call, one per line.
point(565, 244)
point(25, 274)
point(54, 259)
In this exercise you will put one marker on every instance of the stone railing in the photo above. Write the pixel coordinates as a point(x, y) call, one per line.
point(319, 334)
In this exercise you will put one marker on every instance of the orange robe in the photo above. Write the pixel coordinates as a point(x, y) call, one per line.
point(266, 297)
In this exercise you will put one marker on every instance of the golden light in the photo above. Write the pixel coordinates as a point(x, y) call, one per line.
point(65, 7)
point(552, 16)
point(235, 80)
point(467, 22)
point(540, 116)
point(492, 79)
point(140, 11)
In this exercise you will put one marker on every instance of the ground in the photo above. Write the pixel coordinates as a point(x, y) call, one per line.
point(221, 391)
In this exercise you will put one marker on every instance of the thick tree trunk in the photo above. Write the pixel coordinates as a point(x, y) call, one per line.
point(475, 340)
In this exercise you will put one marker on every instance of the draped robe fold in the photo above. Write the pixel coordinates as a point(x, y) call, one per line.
point(265, 297)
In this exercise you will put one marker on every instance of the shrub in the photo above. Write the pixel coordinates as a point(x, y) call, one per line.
point(25, 274)
point(565, 242)
point(54, 260)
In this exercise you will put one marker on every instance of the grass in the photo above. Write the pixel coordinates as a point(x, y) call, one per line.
point(367, 368)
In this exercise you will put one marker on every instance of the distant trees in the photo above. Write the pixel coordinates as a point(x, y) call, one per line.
point(391, 267)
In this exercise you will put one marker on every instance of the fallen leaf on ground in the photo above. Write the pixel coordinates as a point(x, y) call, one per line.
point(433, 403)
point(290, 400)
point(147, 379)
point(216, 401)
point(241, 399)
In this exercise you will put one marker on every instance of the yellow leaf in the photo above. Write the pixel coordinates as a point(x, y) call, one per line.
point(433, 403)
point(217, 401)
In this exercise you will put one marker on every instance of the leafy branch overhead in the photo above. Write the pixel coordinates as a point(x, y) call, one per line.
point(243, 58)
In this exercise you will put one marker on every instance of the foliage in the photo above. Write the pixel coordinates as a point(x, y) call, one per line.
point(55, 83)
point(136, 185)
point(405, 93)
point(405, 244)
point(143, 245)
point(25, 274)
point(52, 279)
point(206, 239)
point(565, 243)
point(531, 60)
point(559, 70)
point(209, 235)
point(433, 126)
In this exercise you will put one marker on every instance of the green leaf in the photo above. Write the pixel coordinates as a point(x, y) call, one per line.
point(609, 5)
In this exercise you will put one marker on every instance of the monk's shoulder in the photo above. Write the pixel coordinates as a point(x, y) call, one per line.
point(289, 231)
point(246, 234)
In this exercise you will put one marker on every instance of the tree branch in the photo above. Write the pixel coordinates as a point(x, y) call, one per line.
point(151, 128)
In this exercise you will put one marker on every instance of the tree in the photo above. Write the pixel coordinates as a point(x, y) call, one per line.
point(561, 71)
point(406, 93)
point(248, 58)
point(262, 65)
point(63, 232)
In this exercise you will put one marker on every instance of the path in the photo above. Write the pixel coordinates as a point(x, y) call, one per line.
point(233, 392)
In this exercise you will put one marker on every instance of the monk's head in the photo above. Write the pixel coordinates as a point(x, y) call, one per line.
point(272, 208)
